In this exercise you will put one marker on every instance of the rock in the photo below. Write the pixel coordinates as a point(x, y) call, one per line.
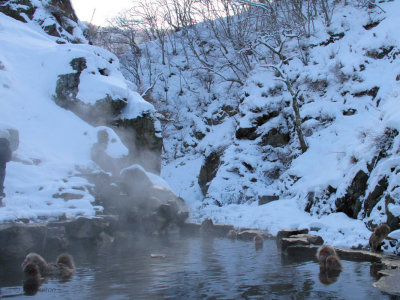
point(232, 234)
point(209, 170)
point(286, 242)
point(190, 228)
point(222, 230)
point(18, 240)
point(266, 199)
point(85, 228)
point(247, 133)
point(349, 112)
point(16, 9)
point(392, 220)
point(375, 196)
point(56, 237)
point(350, 203)
point(285, 233)
point(313, 239)
point(207, 226)
point(307, 252)
point(275, 138)
point(389, 282)
point(143, 140)
point(248, 235)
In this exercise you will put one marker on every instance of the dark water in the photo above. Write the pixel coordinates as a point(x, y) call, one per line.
point(193, 268)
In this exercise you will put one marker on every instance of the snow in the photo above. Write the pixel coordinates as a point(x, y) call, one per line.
point(54, 143)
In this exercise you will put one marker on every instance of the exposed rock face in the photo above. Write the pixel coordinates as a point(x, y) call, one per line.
point(350, 204)
point(375, 196)
point(209, 170)
point(102, 112)
point(275, 138)
point(58, 19)
point(142, 139)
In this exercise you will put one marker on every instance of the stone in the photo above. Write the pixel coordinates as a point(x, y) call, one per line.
point(349, 204)
point(209, 170)
point(389, 282)
point(275, 138)
point(286, 242)
point(19, 240)
point(190, 228)
point(86, 228)
point(375, 196)
point(247, 133)
point(313, 239)
point(285, 233)
point(222, 230)
point(248, 235)
point(267, 199)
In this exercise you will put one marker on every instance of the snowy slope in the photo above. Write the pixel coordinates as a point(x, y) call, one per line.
point(350, 94)
point(54, 143)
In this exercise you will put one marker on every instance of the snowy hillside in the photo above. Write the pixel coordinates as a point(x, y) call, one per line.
point(44, 178)
point(229, 132)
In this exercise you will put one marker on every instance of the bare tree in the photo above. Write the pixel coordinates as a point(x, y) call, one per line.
point(289, 83)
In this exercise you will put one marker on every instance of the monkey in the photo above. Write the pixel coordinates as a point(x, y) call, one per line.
point(31, 279)
point(63, 268)
point(323, 252)
point(258, 242)
point(327, 258)
point(376, 238)
point(333, 263)
point(328, 277)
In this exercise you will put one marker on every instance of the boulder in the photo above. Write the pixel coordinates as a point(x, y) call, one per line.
point(86, 228)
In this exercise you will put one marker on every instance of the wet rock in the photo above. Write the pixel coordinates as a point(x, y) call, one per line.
point(232, 234)
point(222, 230)
point(18, 240)
point(85, 228)
point(190, 228)
point(286, 242)
point(285, 233)
point(68, 196)
point(349, 112)
point(207, 226)
point(209, 170)
point(248, 235)
point(313, 239)
point(56, 237)
point(305, 252)
point(389, 282)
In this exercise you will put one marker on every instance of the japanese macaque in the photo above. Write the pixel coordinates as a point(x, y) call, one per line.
point(31, 279)
point(232, 234)
point(258, 242)
point(376, 238)
point(327, 258)
point(63, 268)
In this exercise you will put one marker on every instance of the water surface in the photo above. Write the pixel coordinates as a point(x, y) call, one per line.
point(192, 268)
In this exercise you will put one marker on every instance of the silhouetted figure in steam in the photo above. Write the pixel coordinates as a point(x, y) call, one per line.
point(99, 153)
point(5, 157)
point(258, 242)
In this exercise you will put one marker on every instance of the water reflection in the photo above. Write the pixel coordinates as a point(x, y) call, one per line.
point(194, 268)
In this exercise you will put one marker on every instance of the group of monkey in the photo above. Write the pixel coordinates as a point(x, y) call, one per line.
point(35, 267)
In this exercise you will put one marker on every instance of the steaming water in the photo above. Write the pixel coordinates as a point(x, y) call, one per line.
point(193, 268)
